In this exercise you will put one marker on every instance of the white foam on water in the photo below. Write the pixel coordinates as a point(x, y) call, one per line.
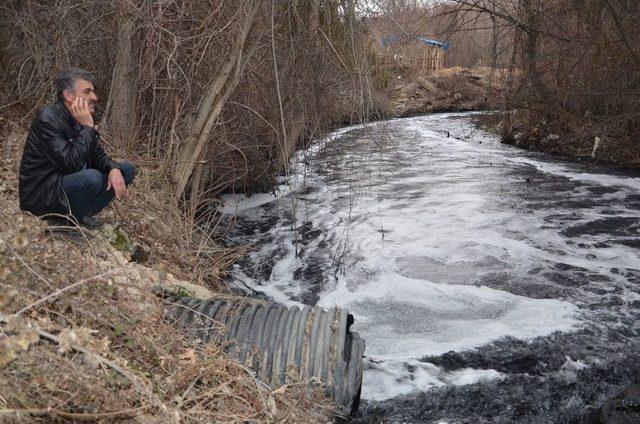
point(239, 203)
point(235, 203)
point(570, 364)
point(399, 378)
point(403, 318)
point(402, 250)
point(579, 175)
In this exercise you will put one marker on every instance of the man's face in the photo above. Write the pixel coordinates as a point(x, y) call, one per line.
point(83, 89)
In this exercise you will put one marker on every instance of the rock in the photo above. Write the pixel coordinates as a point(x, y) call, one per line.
point(167, 281)
point(426, 85)
point(139, 254)
point(520, 139)
point(118, 238)
point(550, 139)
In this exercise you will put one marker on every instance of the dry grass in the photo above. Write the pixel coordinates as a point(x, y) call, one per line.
point(171, 237)
point(94, 345)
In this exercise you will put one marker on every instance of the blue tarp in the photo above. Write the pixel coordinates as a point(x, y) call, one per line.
point(394, 39)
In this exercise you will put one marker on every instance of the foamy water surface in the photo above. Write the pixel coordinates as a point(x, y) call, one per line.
point(438, 244)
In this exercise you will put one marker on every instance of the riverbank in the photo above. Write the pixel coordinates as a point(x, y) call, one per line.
point(84, 336)
point(478, 89)
point(446, 90)
point(519, 129)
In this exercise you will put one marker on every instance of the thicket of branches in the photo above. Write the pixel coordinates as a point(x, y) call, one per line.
point(217, 94)
point(476, 38)
point(580, 71)
point(204, 96)
point(574, 66)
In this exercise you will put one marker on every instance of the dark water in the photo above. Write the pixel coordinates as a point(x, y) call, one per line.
point(491, 284)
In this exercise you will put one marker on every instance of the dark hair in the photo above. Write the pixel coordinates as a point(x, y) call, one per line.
point(66, 79)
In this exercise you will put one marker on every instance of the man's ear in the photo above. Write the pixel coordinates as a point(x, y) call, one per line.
point(68, 96)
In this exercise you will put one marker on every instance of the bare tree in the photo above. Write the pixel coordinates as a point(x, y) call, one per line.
point(120, 115)
point(217, 94)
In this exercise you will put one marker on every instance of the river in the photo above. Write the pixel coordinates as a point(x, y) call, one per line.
point(491, 284)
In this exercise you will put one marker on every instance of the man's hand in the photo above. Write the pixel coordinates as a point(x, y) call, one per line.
point(80, 111)
point(115, 181)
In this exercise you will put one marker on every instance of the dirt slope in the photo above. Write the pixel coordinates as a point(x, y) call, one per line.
point(447, 90)
point(83, 336)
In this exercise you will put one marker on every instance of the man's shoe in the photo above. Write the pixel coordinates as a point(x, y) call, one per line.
point(68, 233)
point(91, 222)
point(59, 221)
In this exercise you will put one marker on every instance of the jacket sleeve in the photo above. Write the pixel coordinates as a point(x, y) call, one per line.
point(67, 155)
point(101, 161)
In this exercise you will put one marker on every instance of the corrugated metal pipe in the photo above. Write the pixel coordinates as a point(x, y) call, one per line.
point(281, 344)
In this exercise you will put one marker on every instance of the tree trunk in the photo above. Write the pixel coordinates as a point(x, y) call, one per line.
point(532, 76)
point(120, 113)
point(494, 37)
point(219, 91)
point(314, 22)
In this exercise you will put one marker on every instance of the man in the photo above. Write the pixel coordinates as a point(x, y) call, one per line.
point(64, 169)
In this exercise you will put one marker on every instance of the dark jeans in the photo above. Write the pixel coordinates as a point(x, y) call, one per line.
point(87, 192)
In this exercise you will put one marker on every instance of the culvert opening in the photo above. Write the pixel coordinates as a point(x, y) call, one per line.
point(281, 344)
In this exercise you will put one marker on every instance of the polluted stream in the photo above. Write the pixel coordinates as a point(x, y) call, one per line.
point(491, 284)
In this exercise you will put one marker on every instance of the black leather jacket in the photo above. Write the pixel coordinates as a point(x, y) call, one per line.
point(57, 145)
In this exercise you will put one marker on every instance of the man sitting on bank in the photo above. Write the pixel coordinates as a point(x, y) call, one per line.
point(64, 169)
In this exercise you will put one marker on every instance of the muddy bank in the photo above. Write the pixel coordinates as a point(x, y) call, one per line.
point(460, 89)
point(447, 90)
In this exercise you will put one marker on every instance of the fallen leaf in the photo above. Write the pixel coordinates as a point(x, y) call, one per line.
point(20, 241)
point(82, 337)
point(280, 390)
point(8, 297)
point(189, 356)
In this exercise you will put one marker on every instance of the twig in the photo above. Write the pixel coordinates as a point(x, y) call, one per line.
point(28, 267)
point(102, 360)
point(344, 65)
point(70, 287)
point(132, 378)
point(76, 226)
point(125, 413)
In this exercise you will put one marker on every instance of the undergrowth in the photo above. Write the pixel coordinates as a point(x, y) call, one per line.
point(83, 337)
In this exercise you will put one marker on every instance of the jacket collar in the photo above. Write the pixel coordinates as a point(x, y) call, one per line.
point(67, 115)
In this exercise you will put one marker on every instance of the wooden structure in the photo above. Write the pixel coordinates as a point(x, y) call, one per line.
point(416, 52)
